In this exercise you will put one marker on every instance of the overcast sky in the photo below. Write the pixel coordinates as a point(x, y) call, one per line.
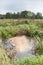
point(20, 5)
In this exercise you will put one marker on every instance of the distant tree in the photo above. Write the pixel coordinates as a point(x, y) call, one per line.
point(39, 15)
point(18, 15)
point(27, 14)
point(24, 14)
point(1, 16)
point(33, 16)
point(14, 15)
point(8, 15)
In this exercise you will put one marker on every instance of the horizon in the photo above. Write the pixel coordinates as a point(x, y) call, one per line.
point(21, 5)
point(19, 12)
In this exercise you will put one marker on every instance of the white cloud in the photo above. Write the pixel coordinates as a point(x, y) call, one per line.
point(18, 5)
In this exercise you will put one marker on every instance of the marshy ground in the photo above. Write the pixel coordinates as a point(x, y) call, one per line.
point(20, 34)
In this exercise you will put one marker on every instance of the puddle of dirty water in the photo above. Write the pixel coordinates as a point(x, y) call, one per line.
point(22, 44)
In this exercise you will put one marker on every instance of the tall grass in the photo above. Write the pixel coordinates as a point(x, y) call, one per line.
point(4, 59)
point(26, 29)
point(39, 46)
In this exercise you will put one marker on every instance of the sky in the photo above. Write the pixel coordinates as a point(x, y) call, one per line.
point(21, 5)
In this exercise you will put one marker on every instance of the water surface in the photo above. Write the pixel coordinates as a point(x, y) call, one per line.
point(23, 45)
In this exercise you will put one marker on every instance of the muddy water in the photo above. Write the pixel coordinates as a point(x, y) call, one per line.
point(26, 48)
point(23, 45)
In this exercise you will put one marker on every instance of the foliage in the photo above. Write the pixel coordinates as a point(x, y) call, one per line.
point(22, 14)
point(38, 16)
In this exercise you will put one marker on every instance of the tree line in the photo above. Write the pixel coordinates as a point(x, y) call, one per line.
point(22, 14)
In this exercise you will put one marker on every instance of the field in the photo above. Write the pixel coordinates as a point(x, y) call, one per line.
point(10, 27)
point(29, 27)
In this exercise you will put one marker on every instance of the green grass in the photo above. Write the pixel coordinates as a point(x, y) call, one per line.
point(39, 46)
point(26, 29)
point(35, 60)
point(10, 28)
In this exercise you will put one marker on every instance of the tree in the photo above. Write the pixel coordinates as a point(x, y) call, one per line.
point(24, 14)
point(38, 15)
point(18, 15)
point(33, 16)
point(14, 15)
point(8, 15)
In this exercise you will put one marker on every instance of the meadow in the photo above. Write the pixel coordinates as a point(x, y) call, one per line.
point(10, 27)
point(29, 27)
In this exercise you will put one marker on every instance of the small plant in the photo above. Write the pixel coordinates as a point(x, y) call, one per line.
point(39, 47)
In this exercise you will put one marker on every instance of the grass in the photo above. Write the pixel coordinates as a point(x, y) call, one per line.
point(36, 60)
point(4, 60)
point(39, 46)
point(10, 28)
point(32, 60)
point(26, 29)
